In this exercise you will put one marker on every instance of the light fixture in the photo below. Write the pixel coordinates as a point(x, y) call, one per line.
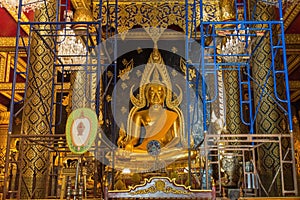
point(237, 45)
point(71, 52)
point(126, 171)
point(27, 5)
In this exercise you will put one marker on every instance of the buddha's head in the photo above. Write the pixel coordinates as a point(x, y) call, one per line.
point(155, 93)
point(156, 86)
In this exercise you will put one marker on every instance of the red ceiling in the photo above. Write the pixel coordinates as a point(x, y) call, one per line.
point(8, 23)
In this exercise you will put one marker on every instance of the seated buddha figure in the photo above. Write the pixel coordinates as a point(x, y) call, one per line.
point(156, 116)
point(155, 122)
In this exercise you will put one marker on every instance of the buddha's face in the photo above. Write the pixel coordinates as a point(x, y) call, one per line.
point(156, 94)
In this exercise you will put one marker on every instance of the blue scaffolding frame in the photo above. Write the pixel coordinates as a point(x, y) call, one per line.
point(259, 31)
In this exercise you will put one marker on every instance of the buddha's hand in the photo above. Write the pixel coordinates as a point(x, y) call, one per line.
point(129, 147)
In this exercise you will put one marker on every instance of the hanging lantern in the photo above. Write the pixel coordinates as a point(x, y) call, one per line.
point(70, 50)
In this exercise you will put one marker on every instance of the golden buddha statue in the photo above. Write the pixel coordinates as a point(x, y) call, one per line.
point(155, 116)
point(159, 123)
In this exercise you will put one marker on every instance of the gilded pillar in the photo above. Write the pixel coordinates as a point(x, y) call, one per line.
point(36, 115)
point(269, 117)
point(231, 82)
point(233, 114)
point(82, 90)
point(83, 81)
point(227, 13)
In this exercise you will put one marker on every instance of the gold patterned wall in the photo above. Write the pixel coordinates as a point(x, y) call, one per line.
point(153, 14)
point(6, 65)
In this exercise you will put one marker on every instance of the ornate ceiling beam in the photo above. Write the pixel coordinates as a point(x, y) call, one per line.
point(291, 58)
point(294, 85)
point(21, 66)
point(20, 87)
point(9, 43)
point(290, 14)
point(291, 39)
point(4, 118)
point(293, 64)
point(7, 64)
point(6, 87)
point(9, 96)
point(293, 51)
point(295, 96)
point(295, 90)
point(24, 18)
point(3, 108)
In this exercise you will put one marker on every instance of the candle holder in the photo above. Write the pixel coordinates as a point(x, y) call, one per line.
point(231, 166)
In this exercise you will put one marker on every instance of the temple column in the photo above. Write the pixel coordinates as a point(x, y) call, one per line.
point(82, 90)
point(234, 123)
point(36, 115)
point(83, 82)
point(270, 118)
point(233, 112)
point(231, 81)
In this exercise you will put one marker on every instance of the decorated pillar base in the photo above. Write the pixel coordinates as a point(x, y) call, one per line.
point(34, 171)
point(36, 189)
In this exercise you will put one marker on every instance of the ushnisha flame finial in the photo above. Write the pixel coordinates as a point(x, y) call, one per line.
point(155, 77)
point(156, 71)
